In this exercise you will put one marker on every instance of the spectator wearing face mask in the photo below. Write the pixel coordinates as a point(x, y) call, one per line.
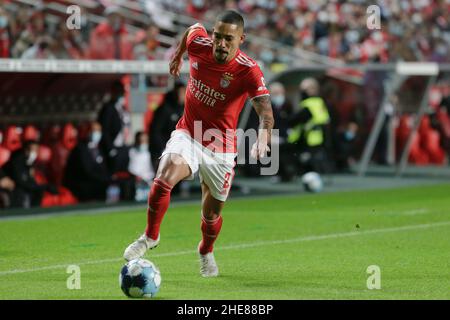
point(110, 39)
point(86, 174)
point(282, 109)
point(27, 193)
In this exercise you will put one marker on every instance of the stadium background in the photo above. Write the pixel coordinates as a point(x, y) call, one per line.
point(292, 40)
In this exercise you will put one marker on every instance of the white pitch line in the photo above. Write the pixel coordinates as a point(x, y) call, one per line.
point(244, 245)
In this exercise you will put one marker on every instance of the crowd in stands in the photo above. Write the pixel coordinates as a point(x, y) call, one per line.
point(410, 30)
point(66, 164)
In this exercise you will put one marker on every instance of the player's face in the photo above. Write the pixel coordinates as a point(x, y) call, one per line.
point(226, 40)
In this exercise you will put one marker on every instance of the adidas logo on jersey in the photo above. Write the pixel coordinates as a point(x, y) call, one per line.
point(195, 65)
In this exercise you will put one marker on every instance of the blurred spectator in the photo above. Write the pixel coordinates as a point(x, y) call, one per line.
point(41, 50)
point(308, 135)
point(6, 188)
point(114, 119)
point(69, 44)
point(166, 118)
point(140, 162)
point(282, 111)
point(147, 44)
point(410, 30)
point(28, 193)
point(110, 39)
point(141, 166)
point(35, 30)
point(86, 174)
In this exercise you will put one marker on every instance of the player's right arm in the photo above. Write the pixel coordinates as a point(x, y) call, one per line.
point(177, 59)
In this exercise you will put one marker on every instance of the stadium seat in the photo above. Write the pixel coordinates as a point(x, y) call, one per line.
point(444, 121)
point(61, 151)
point(432, 145)
point(430, 141)
point(11, 140)
point(30, 133)
point(51, 135)
point(63, 198)
point(4, 155)
point(417, 155)
point(69, 137)
point(44, 154)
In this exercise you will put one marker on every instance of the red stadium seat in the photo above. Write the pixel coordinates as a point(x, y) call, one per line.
point(64, 198)
point(444, 120)
point(51, 135)
point(4, 155)
point(432, 145)
point(60, 153)
point(430, 142)
point(44, 154)
point(11, 140)
point(417, 155)
point(30, 133)
point(70, 136)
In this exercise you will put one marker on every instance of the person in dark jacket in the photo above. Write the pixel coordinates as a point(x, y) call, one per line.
point(165, 120)
point(114, 119)
point(27, 193)
point(86, 174)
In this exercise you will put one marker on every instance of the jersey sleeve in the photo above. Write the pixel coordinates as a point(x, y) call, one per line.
point(256, 85)
point(200, 36)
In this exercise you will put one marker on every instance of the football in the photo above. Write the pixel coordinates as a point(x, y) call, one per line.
point(312, 182)
point(140, 278)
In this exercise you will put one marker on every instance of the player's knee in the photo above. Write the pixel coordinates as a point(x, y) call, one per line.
point(172, 169)
point(210, 214)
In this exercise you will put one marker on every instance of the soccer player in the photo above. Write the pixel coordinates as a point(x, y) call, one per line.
point(204, 142)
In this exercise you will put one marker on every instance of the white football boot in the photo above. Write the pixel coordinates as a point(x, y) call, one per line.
point(138, 248)
point(208, 265)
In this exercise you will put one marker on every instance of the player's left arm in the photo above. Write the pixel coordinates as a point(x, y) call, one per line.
point(263, 108)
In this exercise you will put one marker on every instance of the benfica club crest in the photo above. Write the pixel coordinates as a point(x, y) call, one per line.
point(225, 80)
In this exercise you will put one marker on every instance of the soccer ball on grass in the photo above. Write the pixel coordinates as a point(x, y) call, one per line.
point(140, 278)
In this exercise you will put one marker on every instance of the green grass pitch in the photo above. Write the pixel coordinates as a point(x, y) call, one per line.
point(291, 247)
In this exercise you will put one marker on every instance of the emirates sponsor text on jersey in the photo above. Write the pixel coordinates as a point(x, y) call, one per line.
point(204, 93)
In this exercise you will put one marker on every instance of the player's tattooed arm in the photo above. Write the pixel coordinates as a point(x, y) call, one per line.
point(263, 108)
point(177, 59)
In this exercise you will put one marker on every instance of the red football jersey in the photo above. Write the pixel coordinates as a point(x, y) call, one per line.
point(216, 93)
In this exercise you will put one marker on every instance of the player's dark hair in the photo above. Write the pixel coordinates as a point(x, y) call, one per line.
point(231, 17)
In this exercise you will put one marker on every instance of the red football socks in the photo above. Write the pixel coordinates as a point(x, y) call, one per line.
point(210, 231)
point(158, 202)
